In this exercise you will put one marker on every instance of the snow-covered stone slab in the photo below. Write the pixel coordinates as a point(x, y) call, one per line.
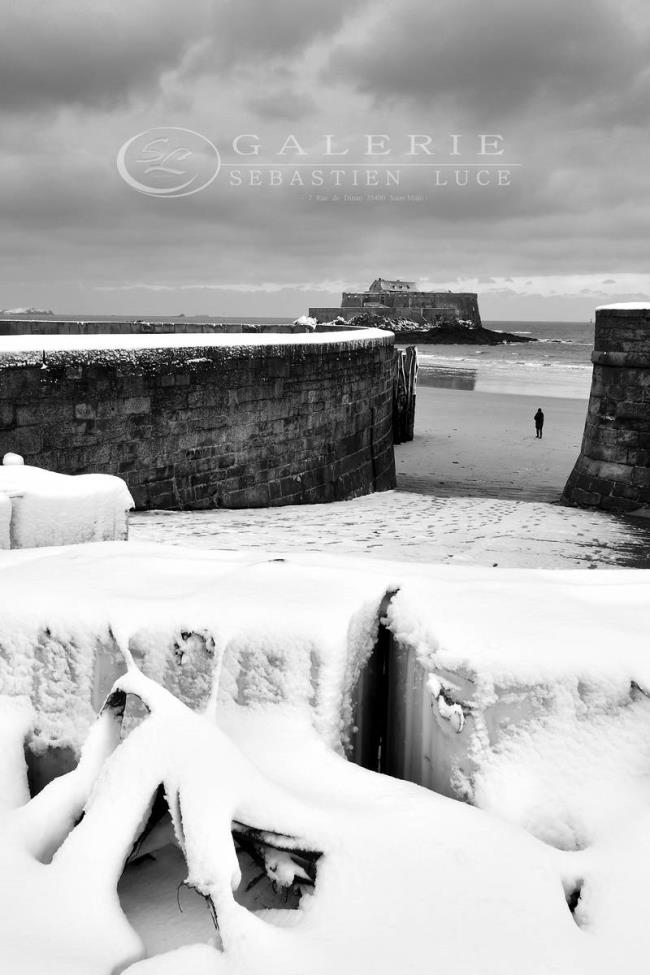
point(551, 674)
point(257, 631)
point(42, 508)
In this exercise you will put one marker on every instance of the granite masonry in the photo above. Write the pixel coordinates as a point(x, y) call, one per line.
point(613, 469)
point(217, 423)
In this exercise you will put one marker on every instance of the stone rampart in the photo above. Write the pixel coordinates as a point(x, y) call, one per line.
point(613, 469)
point(206, 421)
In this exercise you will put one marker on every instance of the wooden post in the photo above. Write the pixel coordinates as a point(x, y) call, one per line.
point(405, 376)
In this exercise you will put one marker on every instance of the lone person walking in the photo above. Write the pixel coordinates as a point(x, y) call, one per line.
point(539, 423)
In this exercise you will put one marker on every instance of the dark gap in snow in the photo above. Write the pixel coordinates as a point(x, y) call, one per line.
point(572, 894)
point(157, 827)
point(135, 713)
point(43, 767)
point(370, 740)
point(276, 869)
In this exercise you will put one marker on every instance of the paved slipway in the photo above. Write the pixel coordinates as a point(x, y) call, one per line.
point(475, 487)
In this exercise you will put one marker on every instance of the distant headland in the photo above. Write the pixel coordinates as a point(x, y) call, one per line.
point(433, 317)
point(26, 311)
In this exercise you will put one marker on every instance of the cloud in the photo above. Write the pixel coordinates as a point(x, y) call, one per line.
point(569, 82)
point(104, 53)
point(245, 31)
point(89, 53)
point(282, 104)
point(494, 58)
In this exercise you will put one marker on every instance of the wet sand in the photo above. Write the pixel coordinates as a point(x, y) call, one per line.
point(476, 444)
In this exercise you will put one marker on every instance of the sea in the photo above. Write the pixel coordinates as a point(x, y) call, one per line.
point(557, 364)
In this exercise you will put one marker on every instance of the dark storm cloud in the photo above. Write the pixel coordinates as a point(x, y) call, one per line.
point(563, 77)
point(495, 58)
point(103, 52)
point(86, 53)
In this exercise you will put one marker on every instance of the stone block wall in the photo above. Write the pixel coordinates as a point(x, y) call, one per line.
point(613, 469)
point(242, 425)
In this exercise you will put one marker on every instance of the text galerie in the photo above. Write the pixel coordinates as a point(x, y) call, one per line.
point(372, 161)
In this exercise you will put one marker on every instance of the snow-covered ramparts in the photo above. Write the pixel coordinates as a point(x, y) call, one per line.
point(201, 421)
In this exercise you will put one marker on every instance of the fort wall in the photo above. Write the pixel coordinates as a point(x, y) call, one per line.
point(435, 308)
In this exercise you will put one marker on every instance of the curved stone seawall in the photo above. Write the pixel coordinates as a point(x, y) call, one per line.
point(54, 326)
point(203, 421)
point(613, 469)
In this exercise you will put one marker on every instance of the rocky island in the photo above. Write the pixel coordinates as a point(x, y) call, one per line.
point(430, 317)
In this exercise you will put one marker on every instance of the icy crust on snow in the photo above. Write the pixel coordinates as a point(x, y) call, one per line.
point(250, 631)
point(43, 508)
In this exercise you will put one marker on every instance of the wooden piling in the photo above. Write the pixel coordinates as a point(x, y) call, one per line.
point(405, 377)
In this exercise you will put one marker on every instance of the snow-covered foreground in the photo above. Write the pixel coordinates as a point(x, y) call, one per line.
point(396, 864)
point(542, 719)
point(42, 508)
point(405, 879)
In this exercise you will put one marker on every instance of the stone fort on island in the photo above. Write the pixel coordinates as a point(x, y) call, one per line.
point(403, 299)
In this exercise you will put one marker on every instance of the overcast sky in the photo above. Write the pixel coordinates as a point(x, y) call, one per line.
point(566, 83)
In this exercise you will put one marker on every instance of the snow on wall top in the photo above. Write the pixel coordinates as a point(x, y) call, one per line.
point(13, 344)
point(626, 306)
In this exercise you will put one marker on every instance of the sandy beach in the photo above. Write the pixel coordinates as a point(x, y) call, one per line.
point(476, 444)
point(474, 487)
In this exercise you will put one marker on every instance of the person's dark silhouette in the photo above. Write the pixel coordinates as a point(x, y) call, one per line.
point(539, 423)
